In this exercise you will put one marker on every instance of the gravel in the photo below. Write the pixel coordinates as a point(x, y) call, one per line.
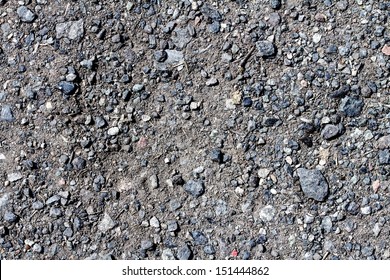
point(313, 184)
point(151, 130)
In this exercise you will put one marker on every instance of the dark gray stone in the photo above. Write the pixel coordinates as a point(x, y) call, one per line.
point(25, 14)
point(68, 232)
point(160, 56)
point(195, 188)
point(199, 237)
point(67, 88)
point(330, 131)
point(276, 4)
point(265, 48)
point(351, 106)
point(79, 163)
point(100, 122)
point(6, 114)
point(216, 155)
point(210, 12)
point(313, 184)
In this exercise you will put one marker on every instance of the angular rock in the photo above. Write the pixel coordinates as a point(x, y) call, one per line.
point(79, 163)
point(384, 157)
point(67, 88)
point(313, 184)
point(10, 217)
point(384, 142)
point(25, 14)
point(6, 114)
point(199, 237)
point(265, 48)
point(70, 29)
point(330, 131)
point(184, 253)
point(194, 188)
point(13, 177)
point(351, 106)
point(106, 223)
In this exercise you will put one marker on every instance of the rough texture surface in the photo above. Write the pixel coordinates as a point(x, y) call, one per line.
point(183, 129)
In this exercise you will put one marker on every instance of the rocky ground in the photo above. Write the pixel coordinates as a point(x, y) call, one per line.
point(194, 129)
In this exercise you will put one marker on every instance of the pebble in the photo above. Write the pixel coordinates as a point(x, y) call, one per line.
point(209, 249)
point(211, 82)
point(276, 4)
point(184, 253)
point(55, 212)
point(267, 213)
point(167, 254)
point(66, 87)
point(194, 188)
point(37, 248)
point(106, 223)
point(313, 184)
point(13, 177)
point(79, 163)
point(366, 210)
point(10, 217)
point(100, 122)
point(384, 157)
point(199, 237)
point(263, 173)
point(330, 131)
point(71, 29)
point(113, 131)
point(160, 56)
point(172, 226)
point(383, 142)
point(147, 245)
point(265, 48)
point(138, 87)
point(6, 114)
point(154, 222)
point(153, 181)
point(386, 50)
point(25, 14)
point(351, 106)
point(216, 155)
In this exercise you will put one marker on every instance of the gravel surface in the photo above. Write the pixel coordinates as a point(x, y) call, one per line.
point(194, 129)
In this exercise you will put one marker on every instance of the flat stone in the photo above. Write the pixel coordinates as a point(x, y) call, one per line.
point(71, 29)
point(106, 223)
point(13, 177)
point(351, 106)
point(154, 222)
point(25, 14)
point(265, 48)
point(167, 254)
point(67, 88)
point(138, 87)
point(10, 217)
point(194, 188)
point(79, 163)
point(384, 157)
point(267, 213)
point(330, 131)
point(263, 173)
point(211, 82)
point(184, 253)
point(147, 245)
point(313, 184)
point(6, 114)
point(199, 237)
point(153, 181)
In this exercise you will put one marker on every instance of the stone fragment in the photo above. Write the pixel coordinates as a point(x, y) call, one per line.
point(313, 184)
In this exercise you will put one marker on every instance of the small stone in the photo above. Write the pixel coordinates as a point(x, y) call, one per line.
point(265, 48)
point(79, 163)
point(330, 131)
point(172, 226)
point(377, 229)
point(366, 210)
point(367, 251)
point(138, 87)
point(153, 181)
point(237, 97)
point(37, 248)
point(67, 88)
point(37, 205)
point(267, 213)
point(25, 14)
point(167, 254)
point(154, 222)
point(199, 237)
point(384, 157)
point(106, 223)
point(194, 188)
point(263, 173)
point(147, 245)
point(209, 249)
point(113, 131)
point(342, 5)
point(276, 4)
point(384, 142)
point(351, 106)
point(13, 177)
point(53, 199)
point(211, 82)
point(216, 155)
point(100, 122)
point(68, 232)
point(6, 114)
point(386, 49)
point(10, 217)
point(316, 38)
point(184, 253)
point(327, 224)
point(55, 212)
point(313, 184)
point(160, 56)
